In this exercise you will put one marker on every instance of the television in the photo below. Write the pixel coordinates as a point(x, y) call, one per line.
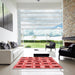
point(6, 17)
point(1, 15)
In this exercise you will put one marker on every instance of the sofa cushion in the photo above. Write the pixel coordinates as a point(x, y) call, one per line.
point(65, 52)
point(17, 51)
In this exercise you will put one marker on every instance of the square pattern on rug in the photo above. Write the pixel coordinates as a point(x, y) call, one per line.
point(37, 62)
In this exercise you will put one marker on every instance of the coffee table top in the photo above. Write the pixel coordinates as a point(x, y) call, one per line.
point(41, 52)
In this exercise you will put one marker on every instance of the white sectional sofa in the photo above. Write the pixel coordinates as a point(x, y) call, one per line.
point(9, 55)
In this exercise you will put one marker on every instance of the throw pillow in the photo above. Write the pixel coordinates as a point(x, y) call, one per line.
point(9, 46)
point(3, 45)
point(13, 44)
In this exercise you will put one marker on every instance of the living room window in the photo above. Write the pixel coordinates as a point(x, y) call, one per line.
point(40, 25)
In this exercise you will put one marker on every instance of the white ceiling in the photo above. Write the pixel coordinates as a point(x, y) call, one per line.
point(42, 4)
point(29, 1)
point(34, 4)
point(39, 6)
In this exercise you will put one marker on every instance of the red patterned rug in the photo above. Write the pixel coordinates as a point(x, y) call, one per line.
point(37, 62)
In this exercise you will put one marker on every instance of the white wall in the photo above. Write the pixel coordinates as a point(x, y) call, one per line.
point(6, 35)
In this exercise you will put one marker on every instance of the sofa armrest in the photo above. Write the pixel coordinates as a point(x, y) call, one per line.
point(6, 56)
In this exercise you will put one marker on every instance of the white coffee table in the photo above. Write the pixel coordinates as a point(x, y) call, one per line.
point(41, 53)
